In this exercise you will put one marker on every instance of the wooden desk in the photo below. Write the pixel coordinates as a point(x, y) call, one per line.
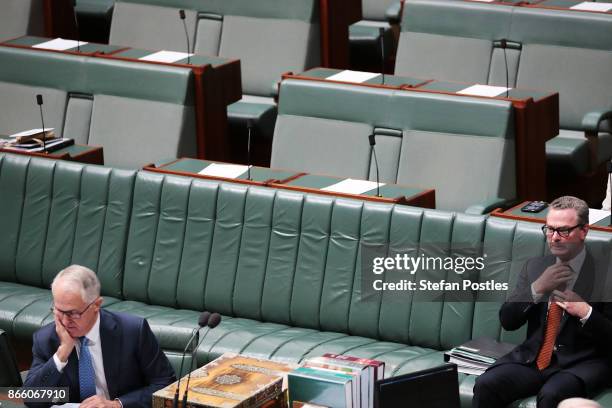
point(260, 176)
point(89, 49)
point(515, 213)
point(536, 120)
point(78, 153)
point(298, 181)
point(562, 5)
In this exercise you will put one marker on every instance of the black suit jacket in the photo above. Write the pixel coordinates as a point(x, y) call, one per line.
point(585, 351)
point(134, 365)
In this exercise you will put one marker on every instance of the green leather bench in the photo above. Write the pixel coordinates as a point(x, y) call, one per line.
point(462, 147)
point(270, 37)
point(139, 113)
point(283, 268)
point(464, 41)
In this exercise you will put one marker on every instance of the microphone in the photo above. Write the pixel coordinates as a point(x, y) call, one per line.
point(372, 138)
point(250, 129)
point(213, 321)
point(503, 43)
point(381, 33)
point(39, 101)
point(182, 16)
point(76, 23)
point(202, 321)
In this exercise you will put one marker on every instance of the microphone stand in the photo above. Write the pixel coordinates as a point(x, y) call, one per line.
point(381, 33)
point(182, 16)
point(39, 101)
point(372, 138)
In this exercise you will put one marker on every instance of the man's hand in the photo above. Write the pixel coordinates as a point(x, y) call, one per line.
point(66, 341)
point(572, 303)
point(552, 277)
point(96, 401)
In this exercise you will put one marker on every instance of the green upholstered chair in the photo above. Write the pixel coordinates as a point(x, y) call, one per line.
point(462, 147)
point(269, 37)
point(139, 113)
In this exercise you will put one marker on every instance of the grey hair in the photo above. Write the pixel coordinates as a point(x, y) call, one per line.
point(83, 278)
point(569, 202)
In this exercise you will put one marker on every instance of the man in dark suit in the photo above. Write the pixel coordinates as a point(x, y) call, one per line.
point(567, 352)
point(108, 360)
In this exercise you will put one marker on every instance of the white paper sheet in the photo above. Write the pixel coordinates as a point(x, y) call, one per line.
point(353, 76)
point(59, 44)
point(597, 215)
point(224, 170)
point(590, 6)
point(29, 132)
point(166, 56)
point(483, 90)
point(352, 186)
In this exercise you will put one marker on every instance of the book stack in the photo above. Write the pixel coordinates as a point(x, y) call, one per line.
point(32, 141)
point(335, 381)
point(475, 356)
point(231, 381)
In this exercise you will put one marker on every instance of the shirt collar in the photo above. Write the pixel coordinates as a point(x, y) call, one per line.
point(93, 335)
point(576, 263)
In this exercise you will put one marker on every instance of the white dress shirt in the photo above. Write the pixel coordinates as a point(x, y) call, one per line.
point(95, 349)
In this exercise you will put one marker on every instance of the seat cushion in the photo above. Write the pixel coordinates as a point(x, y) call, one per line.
point(368, 32)
point(14, 298)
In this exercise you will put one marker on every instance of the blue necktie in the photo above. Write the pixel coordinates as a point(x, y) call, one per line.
point(87, 382)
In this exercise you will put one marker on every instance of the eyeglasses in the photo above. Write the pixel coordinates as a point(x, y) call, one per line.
point(72, 314)
point(563, 232)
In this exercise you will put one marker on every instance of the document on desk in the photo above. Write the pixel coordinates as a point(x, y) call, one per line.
point(597, 215)
point(352, 186)
point(353, 76)
point(166, 56)
point(224, 170)
point(590, 6)
point(59, 44)
point(483, 90)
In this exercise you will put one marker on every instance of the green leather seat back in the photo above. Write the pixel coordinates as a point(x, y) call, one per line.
point(324, 128)
point(59, 213)
point(21, 17)
point(576, 63)
point(452, 40)
point(139, 113)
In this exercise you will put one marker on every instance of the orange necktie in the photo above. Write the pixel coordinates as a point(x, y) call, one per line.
point(553, 319)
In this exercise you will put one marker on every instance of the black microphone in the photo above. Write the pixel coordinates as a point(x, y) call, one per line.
point(381, 33)
point(372, 138)
point(250, 130)
point(213, 321)
point(182, 16)
point(39, 101)
point(503, 43)
point(202, 321)
point(76, 23)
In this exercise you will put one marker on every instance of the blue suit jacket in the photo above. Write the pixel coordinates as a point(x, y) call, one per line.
point(134, 364)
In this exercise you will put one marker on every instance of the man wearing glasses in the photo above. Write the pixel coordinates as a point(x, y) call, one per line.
point(567, 351)
point(108, 360)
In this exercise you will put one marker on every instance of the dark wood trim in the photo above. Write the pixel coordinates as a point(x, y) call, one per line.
point(335, 17)
point(93, 155)
point(162, 170)
point(77, 53)
point(59, 19)
point(501, 213)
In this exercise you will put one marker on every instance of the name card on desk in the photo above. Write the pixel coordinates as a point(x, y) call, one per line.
point(352, 186)
point(224, 170)
point(483, 90)
point(166, 56)
point(590, 6)
point(59, 44)
point(352, 76)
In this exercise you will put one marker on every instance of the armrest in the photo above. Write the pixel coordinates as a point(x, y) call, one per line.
point(393, 13)
point(487, 206)
point(592, 120)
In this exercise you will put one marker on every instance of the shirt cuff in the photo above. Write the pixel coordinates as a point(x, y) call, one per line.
point(119, 401)
point(58, 364)
point(585, 318)
point(536, 296)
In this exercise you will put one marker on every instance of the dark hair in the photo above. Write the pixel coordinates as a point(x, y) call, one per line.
point(569, 202)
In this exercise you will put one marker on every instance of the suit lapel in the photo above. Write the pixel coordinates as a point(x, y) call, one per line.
point(583, 286)
point(111, 348)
